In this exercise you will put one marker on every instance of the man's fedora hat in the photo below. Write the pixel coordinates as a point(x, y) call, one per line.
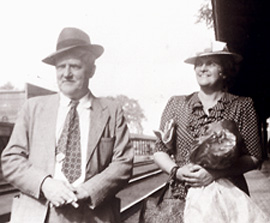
point(73, 38)
point(216, 48)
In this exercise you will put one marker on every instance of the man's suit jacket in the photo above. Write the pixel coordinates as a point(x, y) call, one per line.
point(30, 157)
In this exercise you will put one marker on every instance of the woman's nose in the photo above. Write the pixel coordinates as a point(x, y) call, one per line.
point(203, 67)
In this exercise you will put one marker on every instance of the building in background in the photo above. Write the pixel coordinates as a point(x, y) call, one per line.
point(11, 101)
point(10, 104)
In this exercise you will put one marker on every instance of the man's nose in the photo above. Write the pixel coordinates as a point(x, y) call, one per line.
point(67, 71)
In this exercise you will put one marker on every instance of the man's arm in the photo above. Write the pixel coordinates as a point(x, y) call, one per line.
point(16, 167)
point(116, 175)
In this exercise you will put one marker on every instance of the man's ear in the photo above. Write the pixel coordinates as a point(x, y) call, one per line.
point(92, 71)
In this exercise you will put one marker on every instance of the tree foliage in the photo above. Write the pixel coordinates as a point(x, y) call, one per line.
point(205, 14)
point(7, 86)
point(133, 112)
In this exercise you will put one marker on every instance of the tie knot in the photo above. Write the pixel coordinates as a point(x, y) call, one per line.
point(74, 104)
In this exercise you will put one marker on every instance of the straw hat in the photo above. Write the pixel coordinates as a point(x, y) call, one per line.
point(215, 48)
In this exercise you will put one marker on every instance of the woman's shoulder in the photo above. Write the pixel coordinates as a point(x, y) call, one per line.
point(238, 99)
point(182, 98)
point(177, 98)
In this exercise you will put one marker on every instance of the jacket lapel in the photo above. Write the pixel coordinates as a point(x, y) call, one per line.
point(98, 119)
point(49, 118)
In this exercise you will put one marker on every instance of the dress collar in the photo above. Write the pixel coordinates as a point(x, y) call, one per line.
point(195, 103)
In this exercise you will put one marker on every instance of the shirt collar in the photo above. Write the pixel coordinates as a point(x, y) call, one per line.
point(85, 101)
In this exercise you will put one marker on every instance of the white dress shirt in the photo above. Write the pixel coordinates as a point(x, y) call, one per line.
point(83, 109)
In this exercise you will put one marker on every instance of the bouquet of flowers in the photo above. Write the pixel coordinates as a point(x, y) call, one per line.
point(221, 201)
point(218, 147)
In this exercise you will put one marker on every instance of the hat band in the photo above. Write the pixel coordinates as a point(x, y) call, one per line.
point(70, 42)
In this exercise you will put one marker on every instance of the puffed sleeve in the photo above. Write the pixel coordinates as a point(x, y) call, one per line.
point(167, 115)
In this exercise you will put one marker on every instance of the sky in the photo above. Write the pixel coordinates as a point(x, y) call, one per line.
point(145, 42)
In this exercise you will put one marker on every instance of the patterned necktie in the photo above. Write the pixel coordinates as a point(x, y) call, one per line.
point(69, 145)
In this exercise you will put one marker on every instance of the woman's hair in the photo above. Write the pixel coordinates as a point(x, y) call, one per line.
point(229, 70)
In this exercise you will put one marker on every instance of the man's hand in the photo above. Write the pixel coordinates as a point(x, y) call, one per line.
point(58, 192)
point(81, 194)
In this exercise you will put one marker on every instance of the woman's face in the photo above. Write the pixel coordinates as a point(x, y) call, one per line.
point(209, 72)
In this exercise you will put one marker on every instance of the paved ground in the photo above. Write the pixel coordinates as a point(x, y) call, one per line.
point(259, 186)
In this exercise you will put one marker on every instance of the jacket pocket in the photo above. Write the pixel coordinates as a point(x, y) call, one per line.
point(105, 151)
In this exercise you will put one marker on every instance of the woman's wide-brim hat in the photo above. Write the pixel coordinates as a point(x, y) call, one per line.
point(216, 48)
point(70, 39)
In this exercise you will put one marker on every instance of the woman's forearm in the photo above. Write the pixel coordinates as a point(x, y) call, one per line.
point(164, 161)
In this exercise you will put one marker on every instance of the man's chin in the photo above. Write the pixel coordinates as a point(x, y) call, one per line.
point(69, 93)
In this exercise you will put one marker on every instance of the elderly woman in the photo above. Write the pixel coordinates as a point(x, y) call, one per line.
point(185, 118)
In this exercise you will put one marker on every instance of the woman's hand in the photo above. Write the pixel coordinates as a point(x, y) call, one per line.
point(194, 175)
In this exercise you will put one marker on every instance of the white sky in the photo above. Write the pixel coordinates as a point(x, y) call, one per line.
point(145, 44)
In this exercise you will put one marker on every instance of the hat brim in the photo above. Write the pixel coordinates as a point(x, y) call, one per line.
point(236, 57)
point(96, 50)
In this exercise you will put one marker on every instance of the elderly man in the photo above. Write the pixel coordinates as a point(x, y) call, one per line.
point(69, 153)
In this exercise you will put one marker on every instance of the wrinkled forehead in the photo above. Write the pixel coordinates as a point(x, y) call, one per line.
point(76, 54)
point(68, 60)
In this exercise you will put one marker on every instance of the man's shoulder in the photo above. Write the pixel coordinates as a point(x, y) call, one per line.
point(107, 102)
point(44, 99)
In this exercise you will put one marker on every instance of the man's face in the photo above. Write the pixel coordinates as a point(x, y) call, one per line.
point(73, 76)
